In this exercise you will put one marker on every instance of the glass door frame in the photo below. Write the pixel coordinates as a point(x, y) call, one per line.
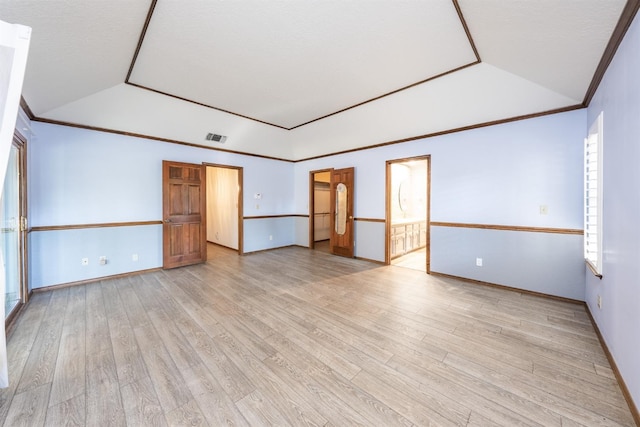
point(20, 143)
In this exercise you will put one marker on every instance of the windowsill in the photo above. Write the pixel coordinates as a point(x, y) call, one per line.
point(593, 269)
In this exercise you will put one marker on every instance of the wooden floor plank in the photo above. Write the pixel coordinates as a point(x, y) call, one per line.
point(162, 312)
point(356, 398)
point(29, 408)
point(216, 405)
point(326, 402)
point(141, 406)
point(70, 413)
point(129, 363)
point(69, 376)
point(188, 414)
point(259, 411)
point(97, 338)
point(42, 359)
point(435, 397)
point(532, 351)
point(414, 408)
point(170, 387)
point(299, 337)
point(103, 399)
point(459, 387)
point(477, 420)
point(541, 399)
point(19, 345)
point(232, 378)
point(294, 409)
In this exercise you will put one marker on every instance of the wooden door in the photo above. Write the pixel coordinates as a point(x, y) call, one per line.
point(341, 203)
point(183, 205)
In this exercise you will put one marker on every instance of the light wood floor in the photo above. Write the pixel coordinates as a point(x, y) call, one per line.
point(416, 260)
point(300, 337)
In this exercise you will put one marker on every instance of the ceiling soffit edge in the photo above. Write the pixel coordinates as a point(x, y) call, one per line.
point(293, 160)
point(450, 131)
point(139, 86)
point(152, 138)
point(626, 18)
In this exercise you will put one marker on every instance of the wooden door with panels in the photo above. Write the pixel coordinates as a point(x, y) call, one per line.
point(184, 219)
point(341, 239)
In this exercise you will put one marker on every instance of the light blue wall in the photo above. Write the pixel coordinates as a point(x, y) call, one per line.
point(301, 231)
point(541, 262)
point(268, 233)
point(55, 256)
point(619, 318)
point(369, 238)
point(493, 175)
point(78, 176)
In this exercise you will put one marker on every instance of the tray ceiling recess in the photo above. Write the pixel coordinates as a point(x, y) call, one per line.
point(290, 63)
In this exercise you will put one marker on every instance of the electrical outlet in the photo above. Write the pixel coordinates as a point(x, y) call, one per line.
point(544, 210)
point(599, 301)
point(270, 237)
point(479, 262)
point(134, 257)
point(85, 261)
point(102, 260)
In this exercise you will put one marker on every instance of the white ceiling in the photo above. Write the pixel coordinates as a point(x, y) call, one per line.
point(294, 80)
point(288, 63)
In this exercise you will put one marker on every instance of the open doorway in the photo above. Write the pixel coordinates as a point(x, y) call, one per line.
point(320, 210)
point(331, 221)
point(407, 211)
point(224, 210)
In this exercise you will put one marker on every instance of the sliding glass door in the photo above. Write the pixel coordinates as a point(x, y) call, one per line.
point(12, 241)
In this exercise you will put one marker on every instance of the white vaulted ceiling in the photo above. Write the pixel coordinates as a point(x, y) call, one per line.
point(297, 79)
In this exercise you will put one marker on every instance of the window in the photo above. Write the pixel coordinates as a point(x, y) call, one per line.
point(593, 196)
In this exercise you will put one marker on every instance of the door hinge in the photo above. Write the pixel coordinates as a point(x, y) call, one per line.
point(23, 223)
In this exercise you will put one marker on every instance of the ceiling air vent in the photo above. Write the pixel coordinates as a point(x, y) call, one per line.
point(216, 138)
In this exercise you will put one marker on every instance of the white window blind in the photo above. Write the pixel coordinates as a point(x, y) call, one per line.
point(593, 195)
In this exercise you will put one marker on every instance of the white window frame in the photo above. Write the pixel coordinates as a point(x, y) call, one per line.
point(593, 196)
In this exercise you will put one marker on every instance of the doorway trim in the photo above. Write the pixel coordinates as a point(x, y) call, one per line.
point(20, 142)
point(388, 199)
point(240, 170)
point(312, 201)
